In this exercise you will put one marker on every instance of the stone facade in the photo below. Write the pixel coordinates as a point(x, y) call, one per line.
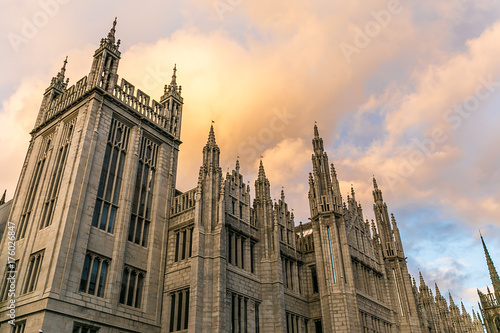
point(105, 243)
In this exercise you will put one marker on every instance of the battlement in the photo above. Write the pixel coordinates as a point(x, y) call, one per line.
point(65, 99)
point(139, 101)
point(183, 202)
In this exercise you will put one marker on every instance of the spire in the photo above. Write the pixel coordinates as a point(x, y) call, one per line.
point(237, 168)
point(211, 151)
point(464, 311)
point(438, 293)
point(452, 303)
point(2, 200)
point(110, 39)
point(211, 137)
point(317, 142)
point(172, 88)
point(377, 193)
point(262, 173)
point(491, 267)
point(58, 81)
point(422, 282)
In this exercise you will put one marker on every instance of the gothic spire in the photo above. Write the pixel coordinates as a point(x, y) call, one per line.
point(317, 142)
point(172, 88)
point(58, 81)
point(438, 293)
point(211, 151)
point(237, 168)
point(2, 200)
point(110, 40)
point(491, 267)
point(211, 137)
point(377, 193)
point(262, 172)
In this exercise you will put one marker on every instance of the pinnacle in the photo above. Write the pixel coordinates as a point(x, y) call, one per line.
point(375, 183)
point(237, 164)
point(211, 137)
point(2, 200)
point(111, 33)
point(437, 289)
point(316, 132)
point(491, 267)
point(422, 282)
point(174, 76)
point(262, 173)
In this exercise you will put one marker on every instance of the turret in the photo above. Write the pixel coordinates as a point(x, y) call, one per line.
point(172, 101)
point(324, 190)
point(57, 87)
point(103, 73)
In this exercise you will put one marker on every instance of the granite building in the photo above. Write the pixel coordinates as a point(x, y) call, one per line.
point(98, 239)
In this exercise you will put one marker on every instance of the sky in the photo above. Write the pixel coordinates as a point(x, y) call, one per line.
point(406, 91)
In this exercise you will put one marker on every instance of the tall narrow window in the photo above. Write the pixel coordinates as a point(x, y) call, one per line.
point(252, 257)
point(131, 289)
point(143, 192)
point(19, 327)
point(318, 327)
point(94, 273)
point(183, 244)
point(106, 205)
point(257, 323)
point(314, 276)
point(34, 267)
point(179, 310)
point(55, 178)
point(33, 188)
point(230, 247)
point(331, 255)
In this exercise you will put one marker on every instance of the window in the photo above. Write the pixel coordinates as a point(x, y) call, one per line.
point(82, 328)
point(252, 257)
point(183, 244)
point(33, 188)
point(55, 178)
point(236, 249)
point(19, 327)
point(132, 284)
point(34, 266)
point(292, 323)
point(106, 205)
point(241, 211)
point(314, 277)
point(9, 282)
point(257, 323)
point(239, 314)
point(179, 310)
point(143, 193)
point(95, 270)
point(318, 327)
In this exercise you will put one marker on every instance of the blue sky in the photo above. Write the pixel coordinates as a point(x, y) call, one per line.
point(383, 79)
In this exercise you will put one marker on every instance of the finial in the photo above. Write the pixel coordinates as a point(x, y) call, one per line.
point(316, 132)
point(375, 183)
point(173, 83)
point(237, 163)
point(111, 33)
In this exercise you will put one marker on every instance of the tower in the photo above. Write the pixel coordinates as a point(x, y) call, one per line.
point(391, 251)
point(337, 296)
point(89, 212)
